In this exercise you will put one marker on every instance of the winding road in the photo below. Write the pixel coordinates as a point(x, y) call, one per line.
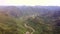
point(33, 30)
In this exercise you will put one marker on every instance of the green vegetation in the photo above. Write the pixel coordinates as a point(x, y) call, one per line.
point(39, 25)
point(7, 24)
point(30, 25)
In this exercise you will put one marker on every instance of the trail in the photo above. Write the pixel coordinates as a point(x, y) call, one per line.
point(33, 30)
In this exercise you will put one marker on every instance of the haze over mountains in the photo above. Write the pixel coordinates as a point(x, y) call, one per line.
point(28, 10)
point(29, 20)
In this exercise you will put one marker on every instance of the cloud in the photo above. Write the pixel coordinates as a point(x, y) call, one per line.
point(31, 2)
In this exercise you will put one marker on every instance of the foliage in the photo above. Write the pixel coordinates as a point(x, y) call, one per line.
point(7, 24)
point(39, 25)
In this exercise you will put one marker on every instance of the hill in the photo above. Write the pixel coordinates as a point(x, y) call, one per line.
point(29, 20)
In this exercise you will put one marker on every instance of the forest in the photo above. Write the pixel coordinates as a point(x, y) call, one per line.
point(29, 20)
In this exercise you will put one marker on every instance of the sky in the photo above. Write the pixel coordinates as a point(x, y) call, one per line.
point(30, 2)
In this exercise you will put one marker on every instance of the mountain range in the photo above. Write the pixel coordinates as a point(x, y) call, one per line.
point(19, 11)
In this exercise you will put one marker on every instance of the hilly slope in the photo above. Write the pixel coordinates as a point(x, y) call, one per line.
point(29, 20)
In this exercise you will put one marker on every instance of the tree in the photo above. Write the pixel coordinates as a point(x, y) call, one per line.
point(7, 24)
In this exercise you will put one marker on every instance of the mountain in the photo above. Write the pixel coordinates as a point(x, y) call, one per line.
point(19, 11)
point(29, 20)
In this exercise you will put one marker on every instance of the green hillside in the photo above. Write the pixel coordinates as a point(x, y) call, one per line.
point(8, 24)
point(27, 25)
